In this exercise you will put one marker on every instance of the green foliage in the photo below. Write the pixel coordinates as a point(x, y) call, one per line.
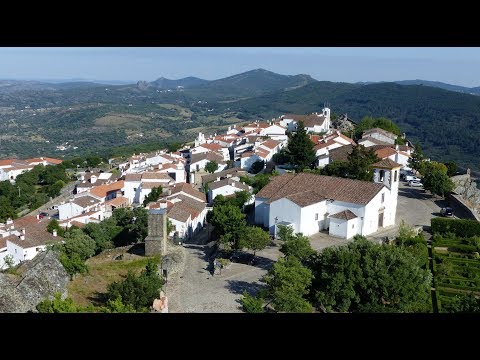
point(253, 238)
point(460, 227)
point(117, 306)
point(300, 148)
point(369, 122)
point(364, 277)
point(57, 305)
point(464, 304)
point(77, 242)
point(153, 195)
point(358, 166)
point(436, 179)
point(211, 167)
point(295, 245)
point(282, 157)
point(257, 166)
point(54, 225)
point(134, 224)
point(416, 159)
point(137, 292)
point(103, 233)
point(257, 182)
point(287, 284)
point(228, 222)
point(174, 146)
point(251, 304)
point(452, 168)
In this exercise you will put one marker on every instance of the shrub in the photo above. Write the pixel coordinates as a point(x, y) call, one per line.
point(460, 227)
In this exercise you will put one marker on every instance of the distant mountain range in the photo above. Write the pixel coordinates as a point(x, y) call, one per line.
point(444, 118)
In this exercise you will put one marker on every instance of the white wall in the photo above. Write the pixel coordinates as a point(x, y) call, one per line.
point(19, 254)
point(224, 190)
point(382, 137)
point(261, 211)
point(3, 254)
point(284, 210)
point(308, 224)
point(68, 210)
point(246, 162)
point(130, 193)
point(338, 228)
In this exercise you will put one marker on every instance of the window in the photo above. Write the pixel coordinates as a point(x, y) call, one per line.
point(353, 226)
point(316, 216)
point(15, 251)
point(382, 175)
point(395, 176)
point(135, 189)
point(383, 198)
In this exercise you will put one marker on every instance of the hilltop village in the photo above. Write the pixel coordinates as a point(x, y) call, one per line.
point(252, 165)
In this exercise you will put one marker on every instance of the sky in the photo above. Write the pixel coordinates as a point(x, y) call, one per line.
point(458, 66)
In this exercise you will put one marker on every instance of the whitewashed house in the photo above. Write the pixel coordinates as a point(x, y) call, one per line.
point(226, 187)
point(79, 205)
point(312, 203)
point(198, 161)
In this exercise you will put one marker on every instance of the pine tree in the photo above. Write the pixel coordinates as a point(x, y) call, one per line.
point(300, 148)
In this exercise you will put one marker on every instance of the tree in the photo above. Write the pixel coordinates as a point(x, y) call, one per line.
point(336, 168)
point(103, 233)
point(254, 238)
point(57, 305)
point(54, 225)
point(363, 276)
point(369, 122)
point(251, 304)
point(452, 168)
point(153, 195)
point(77, 242)
point(228, 222)
point(416, 159)
point(257, 166)
point(295, 245)
point(287, 284)
point(211, 166)
point(137, 291)
point(134, 224)
point(360, 162)
point(436, 180)
point(300, 148)
point(281, 157)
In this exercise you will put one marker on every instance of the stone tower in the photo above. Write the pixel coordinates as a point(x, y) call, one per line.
point(156, 241)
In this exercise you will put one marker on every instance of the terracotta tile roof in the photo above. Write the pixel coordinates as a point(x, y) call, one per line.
point(212, 146)
point(330, 187)
point(270, 144)
point(220, 174)
point(344, 215)
point(404, 148)
point(188, 189)
point(405, 154)
point(198, 206)
point(221, 183)
point(341, 153)
point(247, 154)
point(387, 164)
point(179, 213)
point(34, 160)
point(103, 190)
point(6, 162)
point(133, 177)
point(210, 156)
point(3, 241)
point(85, 201)
point(118, 201)
point(155, 176)
point(262, 153)
point(385, 152)
point(36, 233)
point(53, 161)
point(315, 138)
point(325, 144)
point(381, 131)
point(306, 198)
point(151, 185)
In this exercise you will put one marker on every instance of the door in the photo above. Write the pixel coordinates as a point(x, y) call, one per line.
point(380, 219)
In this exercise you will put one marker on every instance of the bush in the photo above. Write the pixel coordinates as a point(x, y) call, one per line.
point(251, 304)
point(460, 227)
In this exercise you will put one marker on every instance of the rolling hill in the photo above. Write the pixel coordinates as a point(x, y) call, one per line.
point(163, 83)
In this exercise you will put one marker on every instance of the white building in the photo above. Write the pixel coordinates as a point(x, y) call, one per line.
point(312, 203)
point(226, 187)
point(380, 134)
point(198, 161)
point(79, 205)
point(317, 123)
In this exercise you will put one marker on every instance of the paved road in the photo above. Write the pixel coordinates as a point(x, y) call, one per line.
point(195, 290)
point(65, 194)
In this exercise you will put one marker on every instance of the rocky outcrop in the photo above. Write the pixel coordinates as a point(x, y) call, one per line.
point(143, 85)
point(34, 281)
point(343, 123)
point(467, 188)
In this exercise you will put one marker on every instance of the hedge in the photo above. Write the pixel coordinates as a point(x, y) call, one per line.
point(460, 227)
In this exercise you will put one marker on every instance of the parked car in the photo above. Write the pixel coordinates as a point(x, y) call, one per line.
point(414, 183)
point(412, 177)
point(446, 211)
point(42, 215)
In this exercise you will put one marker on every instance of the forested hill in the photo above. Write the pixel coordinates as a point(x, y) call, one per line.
point(446, 123)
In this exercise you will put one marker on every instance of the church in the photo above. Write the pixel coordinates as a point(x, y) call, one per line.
point(312, 203)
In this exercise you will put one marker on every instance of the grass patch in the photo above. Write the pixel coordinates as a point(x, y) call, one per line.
point(112, 120)
point(103, 269)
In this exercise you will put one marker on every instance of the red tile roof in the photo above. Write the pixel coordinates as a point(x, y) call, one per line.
point(385, 152)
point(188, 189)
point(270, 144)
point(103, 190)
point(6, 162)
point(212, 146)
point(344, 215)
point(387, 164)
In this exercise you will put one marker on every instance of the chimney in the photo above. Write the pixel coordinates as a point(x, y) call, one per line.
point(396, 147)
point(233, 183)
point(9, 221)
point(22, 237)
point(23, 231)
point(54, 233)
point(93, 179)
point(218, 178)
point(38, 217)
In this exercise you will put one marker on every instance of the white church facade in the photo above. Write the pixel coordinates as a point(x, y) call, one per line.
point(311, 203)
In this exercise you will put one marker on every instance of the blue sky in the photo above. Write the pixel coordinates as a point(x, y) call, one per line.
point(457, 66)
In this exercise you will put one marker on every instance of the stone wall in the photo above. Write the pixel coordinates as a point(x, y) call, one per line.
point(34, 281)
point(468, 192)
